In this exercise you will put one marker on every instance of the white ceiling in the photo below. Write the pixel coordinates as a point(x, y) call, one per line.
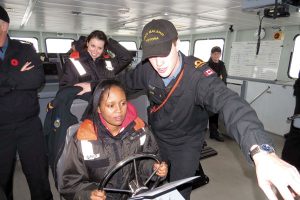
point(127, 17)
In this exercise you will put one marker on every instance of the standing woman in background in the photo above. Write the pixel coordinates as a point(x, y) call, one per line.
point(102, 58)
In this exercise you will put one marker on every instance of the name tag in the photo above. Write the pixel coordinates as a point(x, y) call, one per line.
point(87, 150)
point(109, 65)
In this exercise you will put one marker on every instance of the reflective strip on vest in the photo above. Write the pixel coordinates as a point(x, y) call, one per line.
point(80, 69)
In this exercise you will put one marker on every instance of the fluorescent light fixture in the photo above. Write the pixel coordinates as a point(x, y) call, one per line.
point(87, 14)
point(28, 12)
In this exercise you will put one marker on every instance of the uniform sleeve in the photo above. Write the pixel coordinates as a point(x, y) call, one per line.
point(224, 73)
point(75, 180)
point(136, 79)
point(31, 79)
point(122, 57)
point(69, 78)
point(240, 119)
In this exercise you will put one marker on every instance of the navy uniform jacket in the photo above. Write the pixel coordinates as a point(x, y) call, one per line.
point(184, 114)
point(18, 90)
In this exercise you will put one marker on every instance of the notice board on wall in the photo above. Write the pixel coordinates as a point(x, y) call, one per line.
point(245, 63)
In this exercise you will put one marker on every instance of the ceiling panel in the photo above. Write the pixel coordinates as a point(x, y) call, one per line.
point(127, 17)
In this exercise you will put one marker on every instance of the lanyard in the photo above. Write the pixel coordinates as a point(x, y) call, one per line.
point(157, 108)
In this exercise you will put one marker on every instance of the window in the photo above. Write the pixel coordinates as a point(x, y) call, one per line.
point(295, 59)
point(58, 45)
point(131, 46)
point(203, 47)
point(33, 41)
point(185, 47)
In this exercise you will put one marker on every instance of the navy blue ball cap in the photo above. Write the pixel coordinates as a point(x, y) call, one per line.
point(3, 15)
point(157, 38)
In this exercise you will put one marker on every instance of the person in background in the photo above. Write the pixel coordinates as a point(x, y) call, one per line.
point(113, 131)
point(21, 75)
point(72, 49)
point(218, 66)
point(181, 90)
point(100, 59)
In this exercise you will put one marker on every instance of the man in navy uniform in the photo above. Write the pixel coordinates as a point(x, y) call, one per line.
point(218, 66)
point(181, 90)
point(21, 75)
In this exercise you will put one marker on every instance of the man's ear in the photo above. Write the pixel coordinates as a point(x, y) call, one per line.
point(98, 109)
point(177, 43)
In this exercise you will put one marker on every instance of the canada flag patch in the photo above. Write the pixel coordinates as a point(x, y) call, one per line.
point(208, 72)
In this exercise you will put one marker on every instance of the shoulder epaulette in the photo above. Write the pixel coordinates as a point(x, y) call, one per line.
point(139, 123)
point(199, 63)
point(25, 42)
point(86, 131)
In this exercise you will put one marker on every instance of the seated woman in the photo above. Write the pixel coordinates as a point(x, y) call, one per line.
point(111, 133)
point(100, 59)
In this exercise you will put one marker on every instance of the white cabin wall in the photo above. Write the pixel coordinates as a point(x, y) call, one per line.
point(275, 106)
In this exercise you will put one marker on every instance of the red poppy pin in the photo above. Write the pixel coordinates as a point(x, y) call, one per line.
point(14, 62)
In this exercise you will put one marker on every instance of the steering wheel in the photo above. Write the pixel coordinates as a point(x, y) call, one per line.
point(135, 186)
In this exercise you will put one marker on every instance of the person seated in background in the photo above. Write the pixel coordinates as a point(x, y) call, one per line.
point(218, 66)
point(72, 49)
point(112, 132)
point(100, 59)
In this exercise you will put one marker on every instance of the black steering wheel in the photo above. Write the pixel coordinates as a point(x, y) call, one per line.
point(135, 185)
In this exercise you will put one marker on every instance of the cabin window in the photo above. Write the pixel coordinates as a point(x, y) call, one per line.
point(295, 59)
point(129, 45)
point(58, 45)
point(203, 47)
point(33, 41)
point(184, 47)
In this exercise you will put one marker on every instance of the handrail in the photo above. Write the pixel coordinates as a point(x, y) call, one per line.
point(266, 90)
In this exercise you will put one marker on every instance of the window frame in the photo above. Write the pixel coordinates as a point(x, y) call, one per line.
point(46, 47)
point(189, 49)
point(207, 39)
point(122, 41)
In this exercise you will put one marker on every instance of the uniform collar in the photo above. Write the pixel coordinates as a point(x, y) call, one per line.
point(3, 49)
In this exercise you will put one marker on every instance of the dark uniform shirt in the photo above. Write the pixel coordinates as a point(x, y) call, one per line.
point(98, 69)
point(18, 90)
point(184, 115)
point(219, 68)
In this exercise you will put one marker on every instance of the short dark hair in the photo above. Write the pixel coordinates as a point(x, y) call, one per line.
point(215, 49)
point(3, 15)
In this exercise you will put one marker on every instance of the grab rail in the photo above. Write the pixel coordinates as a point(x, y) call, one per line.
point(266, 90)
